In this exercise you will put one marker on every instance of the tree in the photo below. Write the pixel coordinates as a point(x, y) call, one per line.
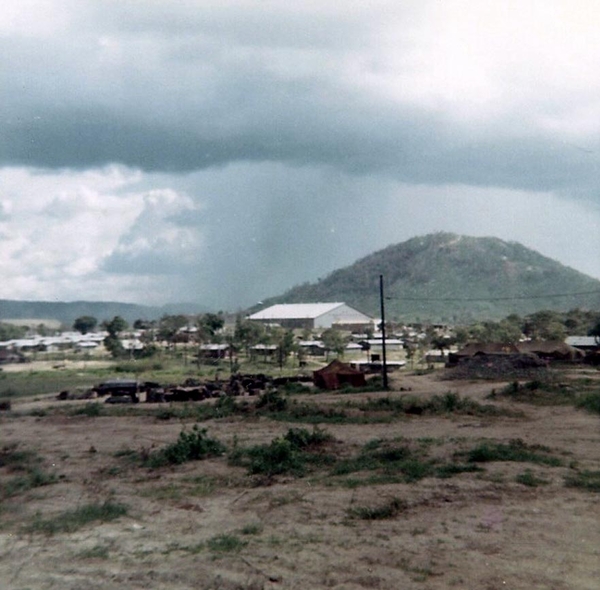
point(248, 333)
point(210, 323)
point(85, 324)
point(545, 325)
point(285, 346)
point(334, 340)
point(112, 341)
point(141, 324)
point(504, 332)
point(595, 332)
point(116, 325)
point(11, 332)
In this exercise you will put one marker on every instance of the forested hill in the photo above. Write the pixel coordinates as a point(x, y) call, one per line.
point(66, 312)
point(451, 278)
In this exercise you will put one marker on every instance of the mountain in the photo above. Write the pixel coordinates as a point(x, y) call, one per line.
point(445, 277)
point(66, 312)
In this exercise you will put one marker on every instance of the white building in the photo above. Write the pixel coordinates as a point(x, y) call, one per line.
point(313, 315)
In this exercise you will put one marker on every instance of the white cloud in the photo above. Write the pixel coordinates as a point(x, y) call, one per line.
point(63, 225)
point(310, 134)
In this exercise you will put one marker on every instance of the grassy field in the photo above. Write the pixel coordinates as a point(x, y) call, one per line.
point(435, 484)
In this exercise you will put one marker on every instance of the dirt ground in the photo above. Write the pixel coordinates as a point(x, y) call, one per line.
point(481, 530)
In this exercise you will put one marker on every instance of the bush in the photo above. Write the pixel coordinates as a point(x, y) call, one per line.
point(190, 446)
point(90, 409)
point(389, 510)
point(272, 401)
point(515, 450)
point(590, 402)
point(30, 474)
point(73, 520)
point(288, 454)
point(302, 438)
point(226, 544)
point(528, 478)
point(586, 480)
point(393, 460)
point(538, 392)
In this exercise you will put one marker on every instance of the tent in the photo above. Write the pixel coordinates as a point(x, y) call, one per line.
point(336, 374)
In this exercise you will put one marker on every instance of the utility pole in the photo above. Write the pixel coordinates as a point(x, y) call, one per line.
point(383, 351)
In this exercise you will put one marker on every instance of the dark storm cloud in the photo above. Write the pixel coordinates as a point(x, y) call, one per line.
point(358, 139)
point(189, 88)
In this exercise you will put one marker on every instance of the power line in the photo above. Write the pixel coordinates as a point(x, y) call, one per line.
point(510, 298)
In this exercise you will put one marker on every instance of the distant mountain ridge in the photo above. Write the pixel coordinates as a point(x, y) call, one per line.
point(67, 311)
point(445, 277)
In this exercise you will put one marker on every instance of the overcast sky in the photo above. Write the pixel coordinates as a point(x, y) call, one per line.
point(222, 151)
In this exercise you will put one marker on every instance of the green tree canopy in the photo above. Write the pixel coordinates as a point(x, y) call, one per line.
point(334, 340)
point(169, 325)
point(85, 324)
point(116, 325)
point(208, 325)
point(11, 332)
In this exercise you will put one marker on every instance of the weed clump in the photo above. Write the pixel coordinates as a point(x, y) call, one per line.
point(91, 410)
point(73, 520)
point(542, 392)
point(590, 402)
point(528, 478)
point(449, 403)
point(226, 544)
point(191, 445)
point(272, 401)
point(293, 453)
point(515, 450)
point(389, 510)
point(585, 480)
point(26, 466)
point(397, 462)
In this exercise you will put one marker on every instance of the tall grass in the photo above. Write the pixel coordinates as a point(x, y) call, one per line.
point(73, 520)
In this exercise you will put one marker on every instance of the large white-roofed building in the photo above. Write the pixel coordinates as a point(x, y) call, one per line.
point(313, 315)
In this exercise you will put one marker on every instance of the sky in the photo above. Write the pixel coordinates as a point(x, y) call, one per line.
point(223, 151)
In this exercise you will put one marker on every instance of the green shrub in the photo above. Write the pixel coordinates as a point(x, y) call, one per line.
point(528, 478)
point(226, 544)
point(191, 445)
point(388, 510)
point(295, 387)
point(73, 520)
point(590, 402)
point(398, 462)
point(252, 529)
point(292, 453)
point(515, 450)
point(281, 456)
point(272, 401)
point(586, 480)
point(28, 467)
point(302, 438)
point(449, 403)
point(450, 469)
point(538, 392)
point(90, 409)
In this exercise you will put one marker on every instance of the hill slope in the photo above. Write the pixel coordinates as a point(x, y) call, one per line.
point(66, 312)
point(456, 269)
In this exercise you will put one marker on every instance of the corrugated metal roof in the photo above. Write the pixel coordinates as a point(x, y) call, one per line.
point(581, 341)
point(294, 311)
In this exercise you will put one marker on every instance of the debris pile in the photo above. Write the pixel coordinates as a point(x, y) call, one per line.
point(505, 366)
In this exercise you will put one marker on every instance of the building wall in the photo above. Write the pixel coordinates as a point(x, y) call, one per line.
point(341, 315)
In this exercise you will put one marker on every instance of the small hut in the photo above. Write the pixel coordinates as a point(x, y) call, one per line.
point(552, 350)
point(479, 349)
point(337, 374)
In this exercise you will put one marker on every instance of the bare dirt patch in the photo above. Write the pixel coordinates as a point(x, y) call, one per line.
point(211, 524)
